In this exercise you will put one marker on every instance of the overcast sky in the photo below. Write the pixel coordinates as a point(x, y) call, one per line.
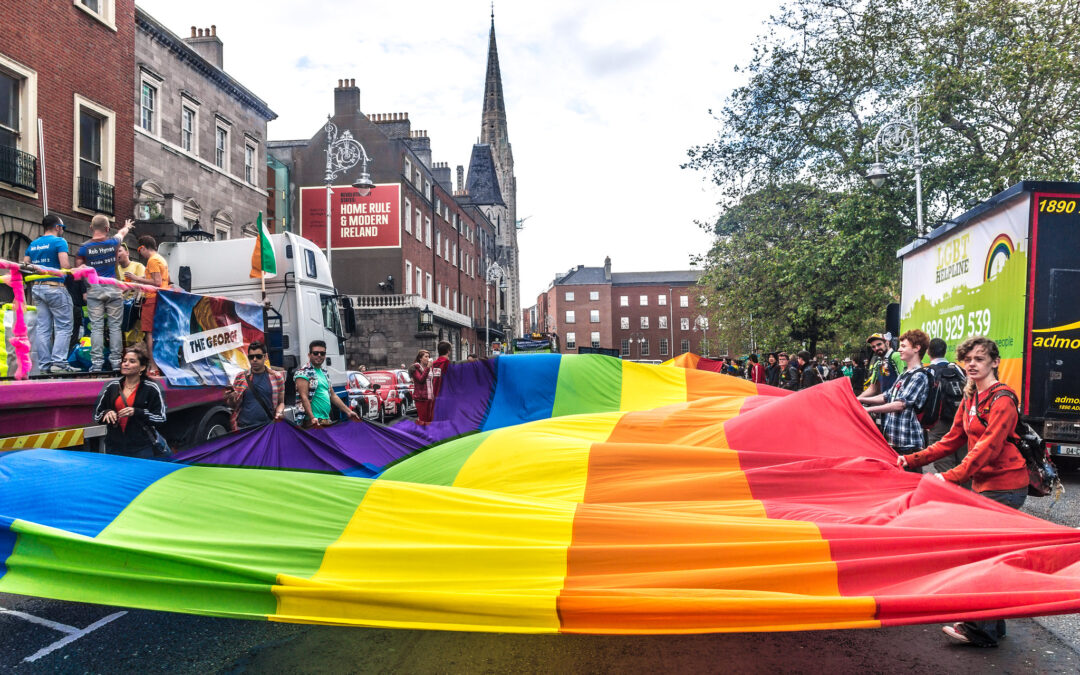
point(603, 99)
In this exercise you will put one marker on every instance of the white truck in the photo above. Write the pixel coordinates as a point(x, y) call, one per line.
point(54, 411)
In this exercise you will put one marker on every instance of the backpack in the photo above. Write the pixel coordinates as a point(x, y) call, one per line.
point(1043, 479)
point(930, 411)
point(951, 381)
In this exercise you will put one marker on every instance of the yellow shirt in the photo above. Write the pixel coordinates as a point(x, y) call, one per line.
point(136, 268)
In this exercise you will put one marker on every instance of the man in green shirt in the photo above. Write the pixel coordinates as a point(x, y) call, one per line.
point(313, 388)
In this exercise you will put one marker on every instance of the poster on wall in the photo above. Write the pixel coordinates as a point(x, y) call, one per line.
point(971, 282)
point(372, 221)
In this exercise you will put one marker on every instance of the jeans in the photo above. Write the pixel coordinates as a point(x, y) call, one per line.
point(101, 302)
point(994, 629)
point(54, 317)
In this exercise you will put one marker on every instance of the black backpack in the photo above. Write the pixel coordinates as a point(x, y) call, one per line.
point(1043, 479)
point(944, 395)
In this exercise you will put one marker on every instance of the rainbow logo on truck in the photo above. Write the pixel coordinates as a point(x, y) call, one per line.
point(1001, 249)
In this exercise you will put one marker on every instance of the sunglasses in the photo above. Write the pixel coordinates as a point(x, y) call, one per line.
point(256, 356)
point(318, 353)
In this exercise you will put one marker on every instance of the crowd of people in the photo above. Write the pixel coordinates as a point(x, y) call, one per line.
point(800, 371)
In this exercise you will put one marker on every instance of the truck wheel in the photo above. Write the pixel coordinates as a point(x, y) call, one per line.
point(212, 427)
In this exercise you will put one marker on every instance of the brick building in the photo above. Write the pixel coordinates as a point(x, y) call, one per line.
point(645, 315)
point(430, 251)
point(200, 137)
point(71, 65)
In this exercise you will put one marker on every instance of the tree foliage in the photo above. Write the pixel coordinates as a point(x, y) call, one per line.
point(998, 88)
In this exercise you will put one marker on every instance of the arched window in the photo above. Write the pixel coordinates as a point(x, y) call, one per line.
point(223, 225)
point(149, 200)
point(192, 210)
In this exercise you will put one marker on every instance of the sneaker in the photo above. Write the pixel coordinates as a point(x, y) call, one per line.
point(61, 368)
point(963, 635)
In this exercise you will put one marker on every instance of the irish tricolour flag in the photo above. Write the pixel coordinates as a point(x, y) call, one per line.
point(263, 258)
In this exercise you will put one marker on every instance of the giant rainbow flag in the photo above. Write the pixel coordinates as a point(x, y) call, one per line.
point(583, 495)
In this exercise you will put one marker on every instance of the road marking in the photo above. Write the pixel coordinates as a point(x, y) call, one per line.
point(72, 632)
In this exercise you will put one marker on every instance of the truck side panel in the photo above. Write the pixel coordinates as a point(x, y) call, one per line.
point(1053, 338)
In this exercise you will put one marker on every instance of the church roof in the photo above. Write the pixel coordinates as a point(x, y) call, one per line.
point(482, 183)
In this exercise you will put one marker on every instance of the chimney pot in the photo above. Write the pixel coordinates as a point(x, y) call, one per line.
point(200, 33)
point(193, 31)
point(352, 81)
point(213, 29)
point(339, 84)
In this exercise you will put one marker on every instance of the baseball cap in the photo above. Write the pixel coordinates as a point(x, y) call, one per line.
point(876, 336)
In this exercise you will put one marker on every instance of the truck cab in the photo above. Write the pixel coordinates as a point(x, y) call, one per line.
point(302, 303)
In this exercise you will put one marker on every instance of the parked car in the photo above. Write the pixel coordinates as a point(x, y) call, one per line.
point(389, 391)
point(405, 388)
point(362, 396)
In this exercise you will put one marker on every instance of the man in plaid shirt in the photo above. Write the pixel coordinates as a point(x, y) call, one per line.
point(257, 396)
point(901, 426)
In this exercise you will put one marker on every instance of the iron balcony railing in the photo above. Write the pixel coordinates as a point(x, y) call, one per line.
point(95, 195)
point(18, 168)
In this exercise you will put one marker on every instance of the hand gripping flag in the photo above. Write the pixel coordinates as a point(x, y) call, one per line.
point(264, 257)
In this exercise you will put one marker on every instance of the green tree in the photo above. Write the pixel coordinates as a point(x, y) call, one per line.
point(998, 87)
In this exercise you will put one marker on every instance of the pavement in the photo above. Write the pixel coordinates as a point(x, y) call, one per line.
point(47, 636)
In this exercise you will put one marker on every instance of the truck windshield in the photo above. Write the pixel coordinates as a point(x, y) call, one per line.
point(330, 315)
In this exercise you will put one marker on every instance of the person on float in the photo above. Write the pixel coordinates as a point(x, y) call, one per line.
point(133, 407)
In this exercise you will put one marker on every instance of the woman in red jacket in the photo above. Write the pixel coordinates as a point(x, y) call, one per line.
point(985, 420)
point(422, 389)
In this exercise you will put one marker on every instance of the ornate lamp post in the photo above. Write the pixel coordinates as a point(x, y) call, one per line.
point(493, 274)
point(901, 138)
point(343, 153)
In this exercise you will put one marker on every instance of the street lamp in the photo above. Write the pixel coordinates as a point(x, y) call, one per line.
point(493, 274)
point(343, 153)
point(901, 138)
point(426, 320)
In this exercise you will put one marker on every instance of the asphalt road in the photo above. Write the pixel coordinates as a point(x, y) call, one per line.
point(121, 641)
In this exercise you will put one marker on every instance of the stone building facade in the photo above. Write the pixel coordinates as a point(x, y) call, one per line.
point(645, 315)
point(71, 66)
point(200, 137)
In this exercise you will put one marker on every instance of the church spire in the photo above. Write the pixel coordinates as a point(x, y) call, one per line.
point(493, 123)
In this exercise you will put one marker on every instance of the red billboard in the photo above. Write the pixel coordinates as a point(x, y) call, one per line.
point(373, 221)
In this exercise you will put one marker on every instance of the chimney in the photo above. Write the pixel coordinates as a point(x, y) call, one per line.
point(207, 44)
point(460, 179)
point(607, 268)
point(420, 143)
point(441, 171)
point(346, 98)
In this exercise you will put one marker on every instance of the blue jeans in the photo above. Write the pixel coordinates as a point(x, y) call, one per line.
point(994, 629)
point(105, 302)
point(53, 329)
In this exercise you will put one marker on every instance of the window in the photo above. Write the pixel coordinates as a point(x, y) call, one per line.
point(663, 347)
point(310, 268)
point(438, 243)
point(419, 282)
point(661, 299)
point(427, 231)
point(221, 148)
point(594, 316)
point(18, 133)
point(408, 169)
point(95, 143)
point(249, 163)
point(643, 301)
point(419, 230)
point(624, 301)
point(418, 181)
point(569, 316)
point(187, 129)
point(594, 295)
point(684, 301)
point(571, 341)
point(438, 292)
point(684, 323)
point(624, 348)
point(454, 255)
point(455, 301)
point(408, 215)
point(148, 107)
point(684, 346)
point(594, 339)
point(102, 10)
point(663, 321)
point(446, 242)
point(408, 276)
point(221, 233)
point(223, 224)
point(427, 190)
point(645, 347)
point(703, 301)
point(624, 322)
point(569, 296)
point(428, 278)
point(644, 322)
